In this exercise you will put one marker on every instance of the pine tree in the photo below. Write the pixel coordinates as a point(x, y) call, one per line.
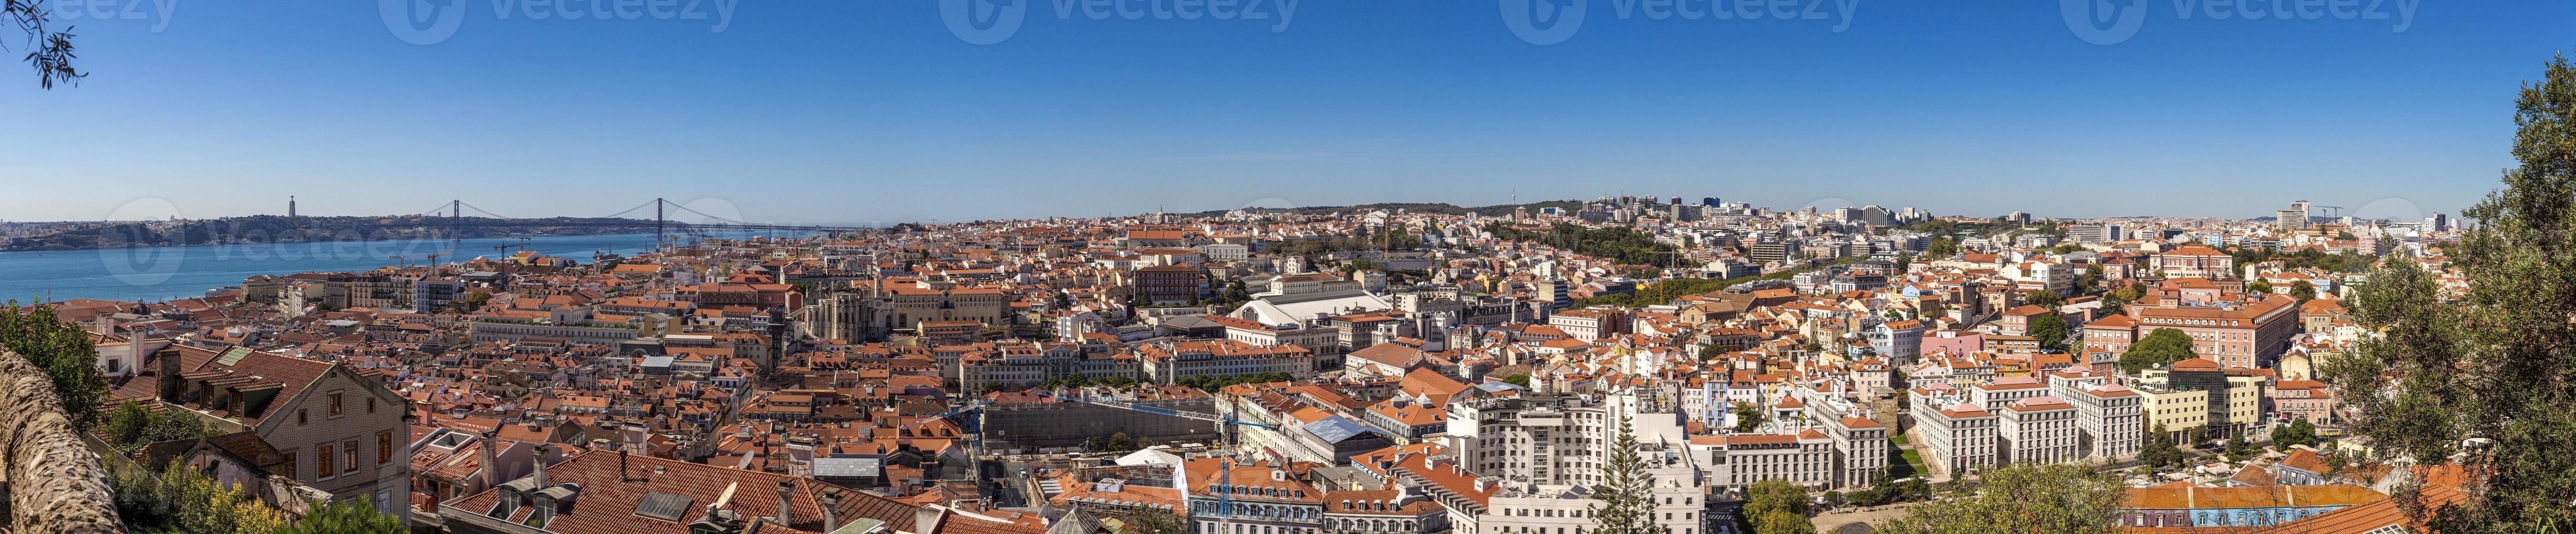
point(1626, 506)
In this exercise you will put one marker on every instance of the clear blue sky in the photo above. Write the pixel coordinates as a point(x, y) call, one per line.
point(852, 111)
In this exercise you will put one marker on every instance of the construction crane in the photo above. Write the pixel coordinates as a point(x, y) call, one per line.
point(1225, 467)
point(973, 427)
point(522, 244)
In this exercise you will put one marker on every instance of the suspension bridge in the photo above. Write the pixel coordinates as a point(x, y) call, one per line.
point(663, 223)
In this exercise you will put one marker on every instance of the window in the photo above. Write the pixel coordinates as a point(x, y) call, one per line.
point(335, 403)
point(349, 453)
point(323, 452)
point(299, 418)
point(384, 447)
point(293, 470)
point(371, 405)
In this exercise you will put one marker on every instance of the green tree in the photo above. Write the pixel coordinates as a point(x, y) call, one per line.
point(1782, 522)
point(2297, 432)
point(1776, 506)
point(2051, 330)
point(178, 499)
point(1942, 248)
point(2044, 298)
point(2258, 287)
point(48, 50)
point(1521, 380)
point(2057, 499)
point(1748, 417)
point(2494, 365)
point(2164, 346)
point(125, 425)
point(1115, 442)
point(2238, 449)
point(349, 516)
point(64, 351)
point(1710, 352)
point(2157, 450)
point(2303, 291)
point(1626, 505)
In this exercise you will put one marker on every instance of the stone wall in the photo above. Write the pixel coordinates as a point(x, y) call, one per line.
point(54, 483)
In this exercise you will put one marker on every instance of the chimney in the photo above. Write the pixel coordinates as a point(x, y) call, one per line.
point(491, 468)
point(786, 502)
point(169, 373)
point(831, 519)
point(539, 454)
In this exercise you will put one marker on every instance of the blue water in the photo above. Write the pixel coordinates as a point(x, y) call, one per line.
point(161, 273)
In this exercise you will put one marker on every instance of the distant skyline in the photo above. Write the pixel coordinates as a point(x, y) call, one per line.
point(864, 112)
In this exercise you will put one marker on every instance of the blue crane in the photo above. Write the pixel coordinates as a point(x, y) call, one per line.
point(1225, 468)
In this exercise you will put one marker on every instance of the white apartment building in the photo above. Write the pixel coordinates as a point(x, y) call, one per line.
point(1535, 438)
point(1958, 434)
point(1522, 507)
point(2037, 429)
point(1999, 392)
point(1736, 462)
point(1587, 324)
point(1859, 442)
point(2109, 418)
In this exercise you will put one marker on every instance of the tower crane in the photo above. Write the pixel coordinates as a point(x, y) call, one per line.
point(1225, 467)
point(973, 427)
point(522, 244)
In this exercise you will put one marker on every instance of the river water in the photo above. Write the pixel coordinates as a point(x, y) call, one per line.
point(161, 273)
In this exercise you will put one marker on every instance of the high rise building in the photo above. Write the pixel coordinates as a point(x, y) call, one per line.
point(2294, 217)
point(2096, 233)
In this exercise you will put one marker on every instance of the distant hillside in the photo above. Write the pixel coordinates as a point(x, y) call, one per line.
point(1408, 207)
point(282, 229)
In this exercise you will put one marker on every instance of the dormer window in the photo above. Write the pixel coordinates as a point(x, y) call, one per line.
point(505, 503)
point(545, 511)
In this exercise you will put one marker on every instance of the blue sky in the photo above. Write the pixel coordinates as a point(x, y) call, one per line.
point(856, 111)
